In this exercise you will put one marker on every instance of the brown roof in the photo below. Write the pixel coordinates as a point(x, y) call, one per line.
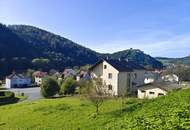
point(121, 65)
point(39, 73)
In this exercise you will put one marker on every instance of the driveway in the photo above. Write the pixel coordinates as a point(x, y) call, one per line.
point(31, 93)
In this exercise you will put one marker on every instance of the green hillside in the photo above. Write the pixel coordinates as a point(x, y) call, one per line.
point(167, 61)
point(168, 112)
point(24, 47)
point(138, 56)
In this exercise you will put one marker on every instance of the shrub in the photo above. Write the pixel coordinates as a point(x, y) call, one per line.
point(49, 87)
point(6, 96)
point(68, 86)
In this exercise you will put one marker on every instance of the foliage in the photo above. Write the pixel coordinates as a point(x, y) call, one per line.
point(170, 112)
point(95, 91)
point(138, 56)
point(169, 61)
point(182, 71)
point(7, 97)
point(68, 86)
point(29, 73)
point(49, 87)
point(24, 47)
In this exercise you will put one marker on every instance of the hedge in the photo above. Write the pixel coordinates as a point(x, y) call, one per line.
point(6, 96)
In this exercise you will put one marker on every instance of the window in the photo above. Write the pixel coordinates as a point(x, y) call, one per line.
point(109, 87)
point(109, 75)
point(160, 94)
point(105, 66)
point(142, 91)
point(151, 92)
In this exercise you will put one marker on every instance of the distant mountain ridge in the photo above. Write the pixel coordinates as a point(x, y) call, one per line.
point(167, 61)
point(24, 46)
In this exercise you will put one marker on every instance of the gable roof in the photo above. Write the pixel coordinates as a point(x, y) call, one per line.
point(14, 75)
point(166, 86)
point(39, 73)
point(121, 65)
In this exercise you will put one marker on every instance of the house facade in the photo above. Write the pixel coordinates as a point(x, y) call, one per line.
point(120, 76)
point(17, 81)
point(155, 90)
point(38, 76)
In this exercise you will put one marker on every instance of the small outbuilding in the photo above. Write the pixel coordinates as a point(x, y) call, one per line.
point(155, 90)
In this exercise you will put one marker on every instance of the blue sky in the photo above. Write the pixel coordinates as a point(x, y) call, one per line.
point(158, 27)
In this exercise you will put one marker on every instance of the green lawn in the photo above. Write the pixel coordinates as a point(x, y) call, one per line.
point(169, 112)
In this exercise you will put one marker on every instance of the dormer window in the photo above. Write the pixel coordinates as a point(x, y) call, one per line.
point(105, 66)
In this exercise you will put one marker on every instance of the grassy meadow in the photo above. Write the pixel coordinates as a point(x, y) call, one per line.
point(74, 113)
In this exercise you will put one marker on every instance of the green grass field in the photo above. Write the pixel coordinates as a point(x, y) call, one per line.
point(72, 113)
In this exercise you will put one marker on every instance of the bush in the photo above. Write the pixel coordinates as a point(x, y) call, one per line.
point(6, 96)
point(68, 86)
point(49, 87)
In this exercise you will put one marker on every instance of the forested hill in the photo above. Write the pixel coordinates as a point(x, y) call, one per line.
point(55, 47)
point(24, 47)
point(168, 61)
point(138, 56)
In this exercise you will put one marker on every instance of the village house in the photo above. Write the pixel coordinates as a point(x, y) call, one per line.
point(83, 74)
point(152, 76)
point(156, 89)
point(38, 76)
point(17, 81)
point(69, 73)
point(120, 76)
point(170, 78)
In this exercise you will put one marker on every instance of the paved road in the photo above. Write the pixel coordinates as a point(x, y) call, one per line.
point(32, 93)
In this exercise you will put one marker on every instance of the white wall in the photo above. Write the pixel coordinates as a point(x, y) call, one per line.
point(38, 80)
point(19, 82)
point(147, 94)
point(99, 71)
point(8, 83)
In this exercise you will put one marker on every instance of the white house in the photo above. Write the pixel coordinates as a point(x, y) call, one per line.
point(17, 80)
point(120, 76)
point(38, 76)
point(170, 78)
point(156, 89)
point(152, 76)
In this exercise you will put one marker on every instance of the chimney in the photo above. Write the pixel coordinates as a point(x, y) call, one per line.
point(107, 58)
point(126, 59)
point(119, 59)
